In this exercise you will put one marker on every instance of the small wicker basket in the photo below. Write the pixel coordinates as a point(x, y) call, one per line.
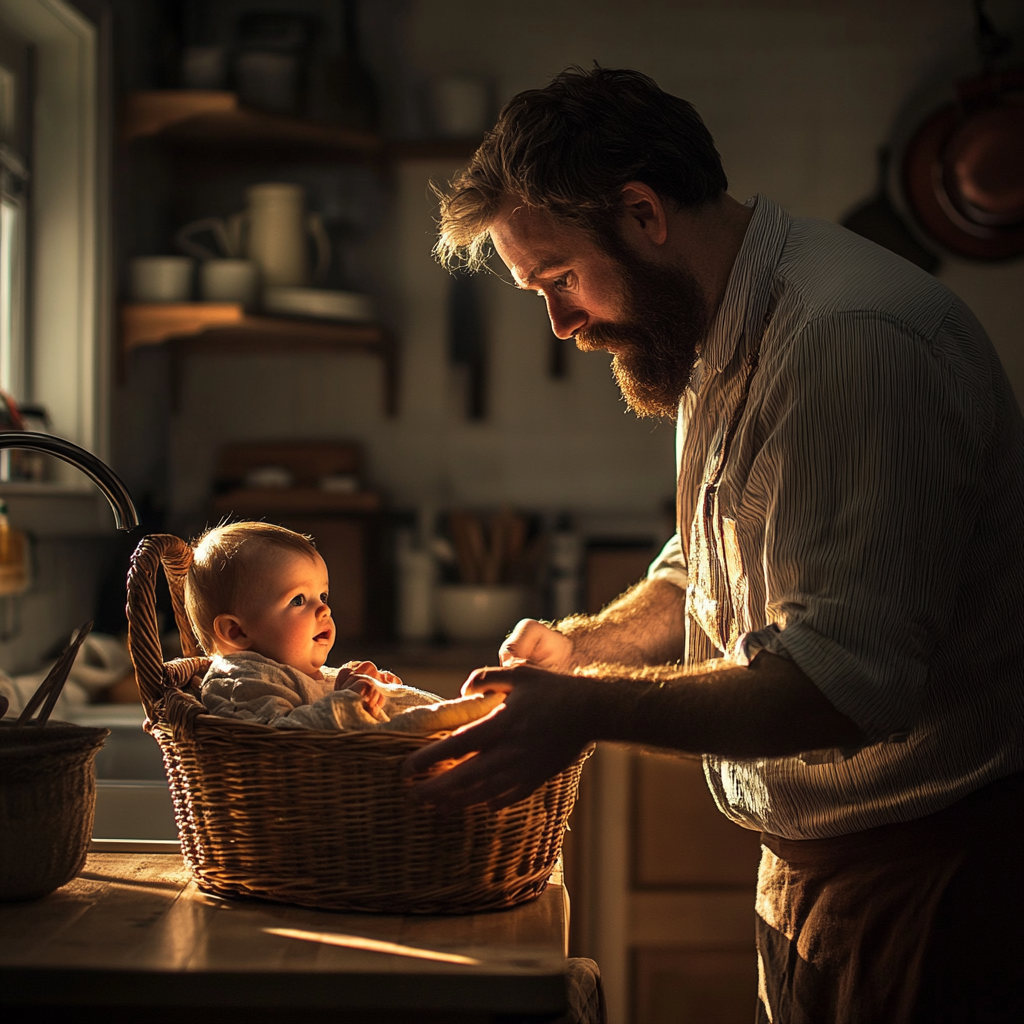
point(321, 818)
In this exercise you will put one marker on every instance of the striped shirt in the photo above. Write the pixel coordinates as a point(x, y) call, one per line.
point(851, 496)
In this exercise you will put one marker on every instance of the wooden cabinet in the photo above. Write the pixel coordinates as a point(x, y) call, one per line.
point(663, 888)
point(693, 873)
point(662, 884)
point(716, 986)
point(682, 840)
point(342, 543)
point(201, 328)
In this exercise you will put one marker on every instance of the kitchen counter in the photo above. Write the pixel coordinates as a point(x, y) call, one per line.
point(133, 938)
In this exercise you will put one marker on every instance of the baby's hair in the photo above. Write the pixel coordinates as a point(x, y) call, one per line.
point(220, 560)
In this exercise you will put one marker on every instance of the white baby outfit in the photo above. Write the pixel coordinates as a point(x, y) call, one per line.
point(252, 688)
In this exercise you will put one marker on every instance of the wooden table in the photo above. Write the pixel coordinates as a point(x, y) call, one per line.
point(133, 938)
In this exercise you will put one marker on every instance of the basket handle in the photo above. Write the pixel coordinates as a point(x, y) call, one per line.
point(154, 551)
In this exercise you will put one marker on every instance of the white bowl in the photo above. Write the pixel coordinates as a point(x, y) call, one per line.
point(161, 278)
point(467, 612)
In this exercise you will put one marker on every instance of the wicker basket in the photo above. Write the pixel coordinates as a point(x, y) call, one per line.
point(321, 818)
point(47, 802)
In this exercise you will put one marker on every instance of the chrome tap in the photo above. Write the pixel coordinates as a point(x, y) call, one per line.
point(125, 516)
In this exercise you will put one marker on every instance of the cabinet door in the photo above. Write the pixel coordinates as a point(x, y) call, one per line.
point(692, 952)
point(662, 889)
point(683, 986)
point(681, 839)
point(341, 542)
point(662, 884)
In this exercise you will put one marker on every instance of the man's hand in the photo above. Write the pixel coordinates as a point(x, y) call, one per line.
point(538, 731)
point(533, 643)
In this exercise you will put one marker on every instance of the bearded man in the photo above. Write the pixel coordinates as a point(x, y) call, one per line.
point(836, 625)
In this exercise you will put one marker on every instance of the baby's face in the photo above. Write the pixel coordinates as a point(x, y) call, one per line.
point(285, 614)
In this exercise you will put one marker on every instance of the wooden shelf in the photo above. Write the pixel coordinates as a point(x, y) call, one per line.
point(200, 119)
point(293, 501)
point(150, 323)
point(202, 328)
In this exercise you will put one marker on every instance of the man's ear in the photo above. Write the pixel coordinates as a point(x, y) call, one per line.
point(644, 216)
point(228, 632)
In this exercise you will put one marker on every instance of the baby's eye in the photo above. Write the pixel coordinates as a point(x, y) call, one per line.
point(298, 600)
point(323, 597)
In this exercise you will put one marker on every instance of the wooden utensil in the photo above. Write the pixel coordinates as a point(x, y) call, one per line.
point(488, 557)
point(50, 688)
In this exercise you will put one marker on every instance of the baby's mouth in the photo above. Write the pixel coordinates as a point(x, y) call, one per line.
point(322, 637)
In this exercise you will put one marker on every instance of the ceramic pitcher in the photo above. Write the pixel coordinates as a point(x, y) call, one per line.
point(273, 231)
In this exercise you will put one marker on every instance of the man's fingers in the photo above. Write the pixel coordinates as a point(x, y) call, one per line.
point(477, 780)
point(525, 643)
point(537, 644)
point(516, 644)
point(467, 740)
point(488, 680)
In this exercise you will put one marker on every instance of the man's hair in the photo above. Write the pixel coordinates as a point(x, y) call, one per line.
point(569, 148)
point(221, 558)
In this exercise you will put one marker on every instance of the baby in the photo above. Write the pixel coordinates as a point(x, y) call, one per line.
point(256, 597)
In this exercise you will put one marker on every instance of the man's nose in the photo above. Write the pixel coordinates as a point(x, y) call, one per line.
point(566, 319)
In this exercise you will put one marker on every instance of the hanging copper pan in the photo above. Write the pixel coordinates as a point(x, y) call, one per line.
point(963, 169)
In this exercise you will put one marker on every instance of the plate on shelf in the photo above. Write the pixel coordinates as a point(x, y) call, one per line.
point(319, 302)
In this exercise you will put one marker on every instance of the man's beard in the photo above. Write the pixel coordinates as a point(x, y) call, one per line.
point(664, 322)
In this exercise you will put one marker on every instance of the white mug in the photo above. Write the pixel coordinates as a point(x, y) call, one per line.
point(273, 231)
point(161, 278)
point(229, 280)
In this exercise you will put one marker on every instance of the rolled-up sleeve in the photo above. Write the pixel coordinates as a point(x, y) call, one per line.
point(868, 475)
point(670, 565)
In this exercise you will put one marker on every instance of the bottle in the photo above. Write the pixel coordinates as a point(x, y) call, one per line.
point(14, 575)
point(416, 575)
point(565, 565)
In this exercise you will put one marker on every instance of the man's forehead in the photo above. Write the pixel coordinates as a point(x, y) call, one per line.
point(531, 241)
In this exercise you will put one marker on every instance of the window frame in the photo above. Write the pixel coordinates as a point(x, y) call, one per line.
point(69, 309)
point(15, 159)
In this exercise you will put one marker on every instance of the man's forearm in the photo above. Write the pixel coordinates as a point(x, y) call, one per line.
point(769, 709)
point(645, 626)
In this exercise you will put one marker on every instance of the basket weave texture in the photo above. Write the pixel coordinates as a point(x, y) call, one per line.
point(321, 818)
point(47, 802)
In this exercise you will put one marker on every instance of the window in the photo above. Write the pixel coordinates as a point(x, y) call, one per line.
point(55, 312)
point(14, 104)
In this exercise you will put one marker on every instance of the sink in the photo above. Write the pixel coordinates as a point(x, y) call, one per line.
point(133, 802)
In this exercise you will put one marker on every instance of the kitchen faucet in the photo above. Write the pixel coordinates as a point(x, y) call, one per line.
point(125, 516)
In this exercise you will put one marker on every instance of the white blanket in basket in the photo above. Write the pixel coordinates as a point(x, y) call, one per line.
point(252, 688)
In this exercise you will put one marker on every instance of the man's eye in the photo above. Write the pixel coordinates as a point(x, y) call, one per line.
point(561, 283)
point(298, 600)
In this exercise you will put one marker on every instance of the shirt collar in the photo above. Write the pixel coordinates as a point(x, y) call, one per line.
point(749, 290)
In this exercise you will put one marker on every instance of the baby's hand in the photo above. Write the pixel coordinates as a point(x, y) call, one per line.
point(364, 668)
point(363, 676)
point(371, 693)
